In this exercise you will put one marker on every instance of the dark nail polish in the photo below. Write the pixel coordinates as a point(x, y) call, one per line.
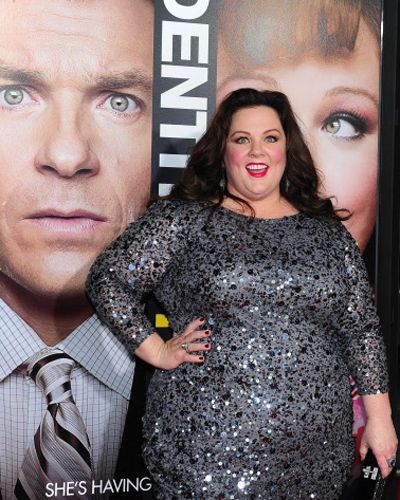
point(207, 346)
point(206, 332)
point(201, 358)
point(201, 319)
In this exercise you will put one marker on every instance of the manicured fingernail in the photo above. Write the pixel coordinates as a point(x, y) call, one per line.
point(206, 332)
point(201, 358)
point(201, 319)
point(207, 346)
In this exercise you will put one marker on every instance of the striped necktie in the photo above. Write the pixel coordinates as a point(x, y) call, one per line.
point(60, 450)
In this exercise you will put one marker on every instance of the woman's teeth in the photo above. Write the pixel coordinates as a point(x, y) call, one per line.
point(256, 167)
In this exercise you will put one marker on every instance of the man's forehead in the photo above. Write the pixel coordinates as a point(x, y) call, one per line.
point(73, 21)
point(89, 37)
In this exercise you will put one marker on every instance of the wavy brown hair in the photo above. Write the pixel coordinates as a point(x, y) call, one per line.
point(205, 170)
point(288, 30)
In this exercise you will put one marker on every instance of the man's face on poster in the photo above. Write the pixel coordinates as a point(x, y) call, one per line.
point(75, 121)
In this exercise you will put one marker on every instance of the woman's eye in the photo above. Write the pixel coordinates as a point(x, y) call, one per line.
point(242, 140)
point(345, 126)
point(121, 103)
point(340, 128)
point(270, 138)
point(14, 96)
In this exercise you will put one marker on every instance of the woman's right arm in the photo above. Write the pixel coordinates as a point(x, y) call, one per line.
point(131, 267)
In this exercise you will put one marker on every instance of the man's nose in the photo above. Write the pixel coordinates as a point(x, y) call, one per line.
point(65, 149)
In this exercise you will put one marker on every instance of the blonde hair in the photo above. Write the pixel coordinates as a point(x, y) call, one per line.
point(261, 31)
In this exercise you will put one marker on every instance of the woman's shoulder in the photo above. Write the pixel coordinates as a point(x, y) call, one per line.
point(175, 204)
point(181, 213)
point(178, 208)
point(334, 230)
point(169, 220)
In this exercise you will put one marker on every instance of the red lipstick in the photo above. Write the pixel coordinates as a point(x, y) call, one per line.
point(257, 170)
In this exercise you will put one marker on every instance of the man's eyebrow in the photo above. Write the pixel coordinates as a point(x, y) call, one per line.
point(22, 76)
point(112, 81)
point(130, 79)
point(353, 91)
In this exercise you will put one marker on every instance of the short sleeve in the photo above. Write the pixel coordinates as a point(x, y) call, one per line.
point(364, 346)
point(132, 266)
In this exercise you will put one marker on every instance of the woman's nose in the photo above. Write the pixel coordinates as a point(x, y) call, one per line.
point(256, 149)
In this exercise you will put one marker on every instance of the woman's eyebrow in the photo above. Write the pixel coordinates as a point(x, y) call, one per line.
point(254, 76)
point(354, 91)
point(264, 131)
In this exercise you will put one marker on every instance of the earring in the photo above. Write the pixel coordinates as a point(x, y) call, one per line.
point(222, 183)
point(286, 183)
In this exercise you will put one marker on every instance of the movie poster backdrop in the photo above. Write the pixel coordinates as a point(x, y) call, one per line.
point(100, 104)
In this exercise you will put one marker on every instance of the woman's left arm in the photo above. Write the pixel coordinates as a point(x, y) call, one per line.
point(365, 352)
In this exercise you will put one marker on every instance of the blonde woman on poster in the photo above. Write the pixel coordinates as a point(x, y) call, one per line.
point(325, 56)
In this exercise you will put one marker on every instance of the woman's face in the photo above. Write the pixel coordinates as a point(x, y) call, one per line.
point(255, 155)
point(336, 102)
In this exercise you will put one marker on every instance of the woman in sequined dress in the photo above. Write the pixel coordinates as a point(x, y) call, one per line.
point(248, 247)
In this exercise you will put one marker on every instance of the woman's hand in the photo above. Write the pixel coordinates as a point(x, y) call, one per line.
point(379, 433)
point(172, 353)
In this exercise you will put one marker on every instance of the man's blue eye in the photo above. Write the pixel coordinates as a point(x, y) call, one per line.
point(13, 96)
point(119, 103)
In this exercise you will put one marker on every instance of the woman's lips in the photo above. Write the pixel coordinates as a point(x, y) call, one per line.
point(257, 169)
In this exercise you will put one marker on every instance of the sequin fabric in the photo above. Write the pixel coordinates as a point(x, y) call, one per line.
point(268, 414)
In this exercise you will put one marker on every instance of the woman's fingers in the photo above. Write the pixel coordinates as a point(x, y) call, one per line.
point(188, 342)
point(380, 436)
point(192, 332)
point(363, 450)
point(383, 463)
point(197, 346)
point(191, 358)
point(386, 459)
point(193, 325)
point(197, 335)
point(185, 344)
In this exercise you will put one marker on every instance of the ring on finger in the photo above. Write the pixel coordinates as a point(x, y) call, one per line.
point(185, 346)
point(391, 461)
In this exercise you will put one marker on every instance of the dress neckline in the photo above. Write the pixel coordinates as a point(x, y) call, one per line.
point(233, 213)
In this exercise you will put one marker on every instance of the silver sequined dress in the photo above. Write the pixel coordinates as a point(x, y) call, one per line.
point(268, 415)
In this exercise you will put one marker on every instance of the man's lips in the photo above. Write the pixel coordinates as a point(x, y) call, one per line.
point(257, 169)
point(71, 221)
